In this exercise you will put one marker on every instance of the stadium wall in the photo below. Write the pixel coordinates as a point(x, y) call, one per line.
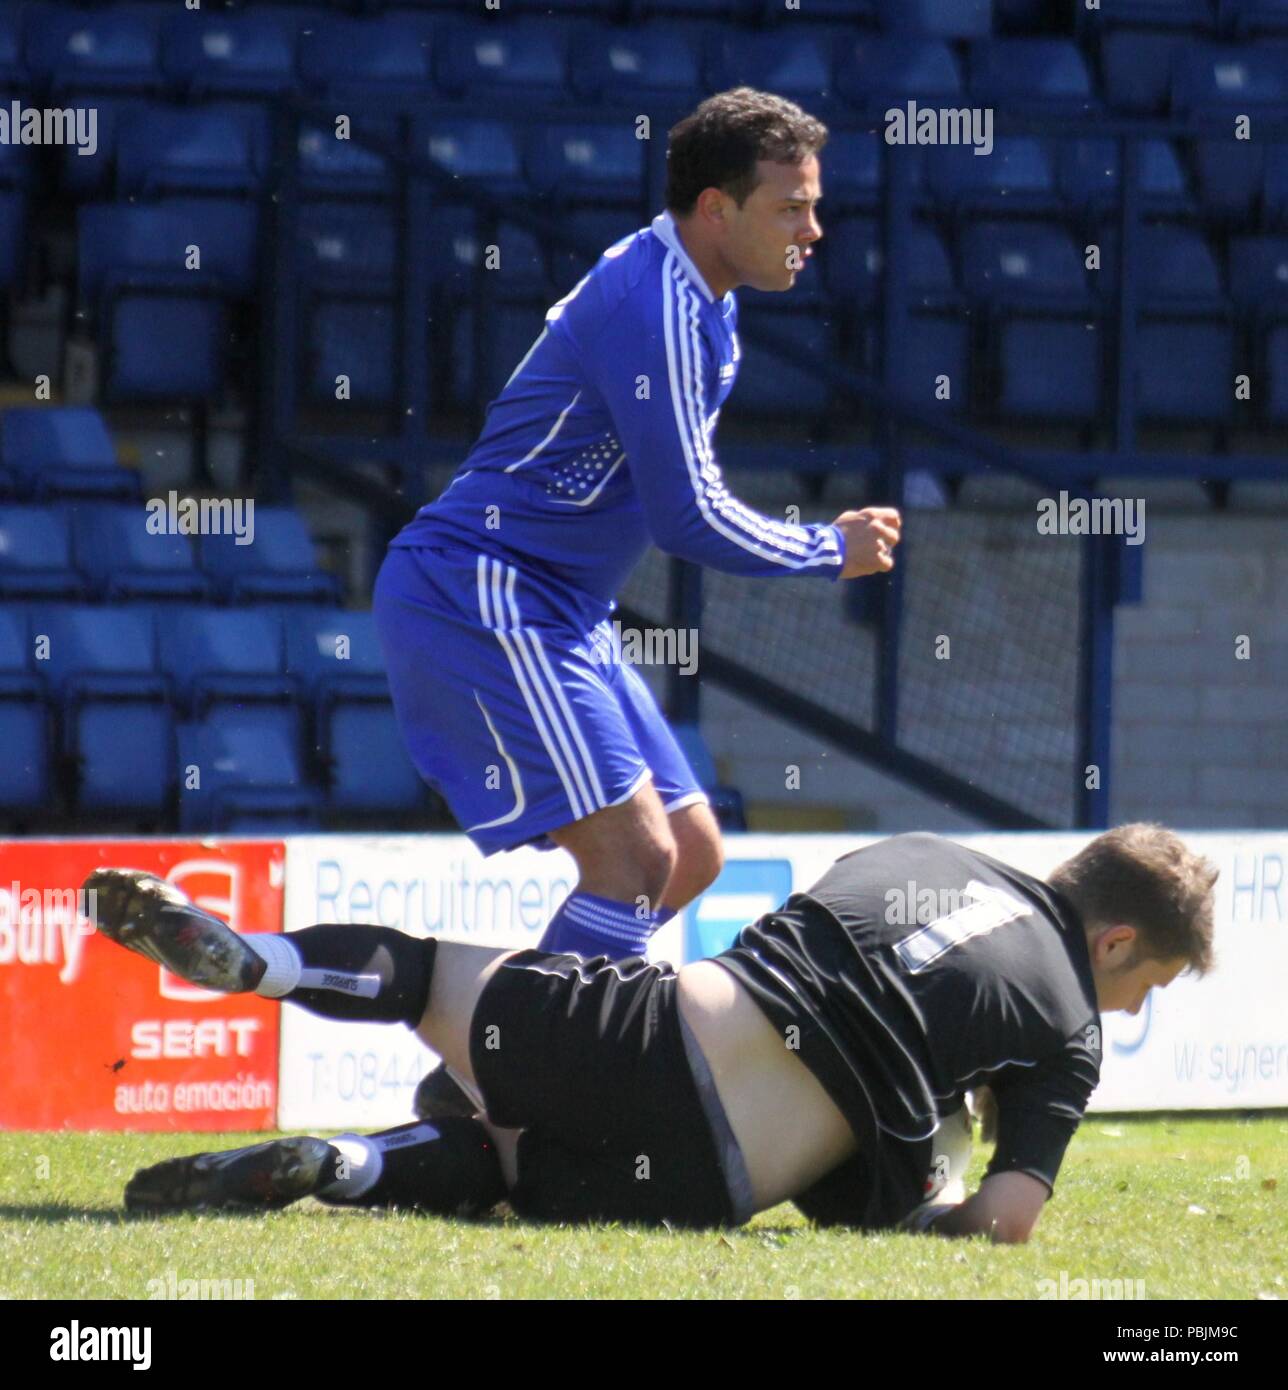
point(98, 1039)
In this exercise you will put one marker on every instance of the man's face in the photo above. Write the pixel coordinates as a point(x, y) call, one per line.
point(778, 216)
point(1124, 976)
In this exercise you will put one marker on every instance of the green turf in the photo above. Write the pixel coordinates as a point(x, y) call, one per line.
point(1194, 1207)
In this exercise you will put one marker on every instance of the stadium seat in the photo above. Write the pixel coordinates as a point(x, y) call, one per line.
point(124, 559)
point(511, 61)
point(1274, 193)
point(1011, 263)
point(853, 263)
point(333, 167)
point(367, 767)
point(217, 655)
point(165, 347)
point(794, 62)
point(130, 243)
point(485, 151)
point(1235, 78)
point(206, 149)
point(637, 65)
point(453, 249)
point(18, 679)
point(389, 55)
point(98, 651)
point(1049, 370)
point(114, 48)
point(1137, 68)
point(248, 53)
point(1276, 407)
point(1259, 275)
point(1185, 372)
point(278, 563)
point(872, 72)
point(772, 384)
point(51, 450)
point(938, 19)
point(1229, 177)
point(25, 784)
point(347, 244)
point(1018, 177)
point(13, 69)
point(585, 162)
point(935, 346)
point(1253, 17)
point(90, 175)
point(35, 554)
point(122, 754)
point(512, 328)
point(1090, 176)
point(250, 771)
point(1178, 272)
point(334, 654)
point(853, 164)
point(1049, 74)
point(353, 348)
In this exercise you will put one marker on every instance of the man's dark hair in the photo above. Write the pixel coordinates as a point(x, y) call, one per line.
point(1144, 876)
point(718, 144)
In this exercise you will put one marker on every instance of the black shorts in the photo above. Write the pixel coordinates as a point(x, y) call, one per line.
point(589, 1058)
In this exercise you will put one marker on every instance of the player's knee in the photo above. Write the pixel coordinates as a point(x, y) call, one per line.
point(655, 858)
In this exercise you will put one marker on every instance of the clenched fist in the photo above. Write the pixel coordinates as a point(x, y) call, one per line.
point(870, 538)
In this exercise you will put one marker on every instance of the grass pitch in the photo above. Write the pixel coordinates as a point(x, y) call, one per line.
point(1189, 1207)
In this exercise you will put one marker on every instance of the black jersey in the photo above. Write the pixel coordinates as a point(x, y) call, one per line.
point(912, 971)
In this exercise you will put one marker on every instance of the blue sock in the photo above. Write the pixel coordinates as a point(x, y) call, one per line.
point(589, 925)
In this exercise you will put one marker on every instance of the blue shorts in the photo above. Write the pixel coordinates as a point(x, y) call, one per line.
point(523, 718)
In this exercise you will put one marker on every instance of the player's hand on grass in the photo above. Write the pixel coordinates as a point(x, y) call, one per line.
point(870, 538)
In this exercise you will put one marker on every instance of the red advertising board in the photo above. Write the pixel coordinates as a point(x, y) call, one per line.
point(93, 1036)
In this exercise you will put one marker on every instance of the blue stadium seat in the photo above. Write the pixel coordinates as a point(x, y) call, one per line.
point(334, 654)
point(220, 655)
point(1038, 72)
point(1009, 263)
point(90, 175)
point(368, 770)
point(18, 679)
point(356, 340)
point(616, 65)
point(115, 48)
point(1239, 78)
point(1137, 68)
point(852, 169)
point(939, 19)
point(453, 248)
point(389, 55)
point(486, 151)
point(249, 53)
point(1252, 17)
point(13, 68)
point(512, 61)
point(99, 651)
point(585, 162)
point(348, 244)
point(250, 768)
point(332, 167)
point(1019, 176)
point(25, 784)
point(1259, 275)
point(794, 62)
point(853, 263)
point(1049, 370)
point(165, 347)
point(124, 559)
point(873, 72)
point(17, 163)
point(769, 383)
point(1090, 175)
point(1185, 372)
point(1178, 272)
point(123, 755)
point(51, 450)
point(935, 345)
point(13, 237)
point(1229, 175)
point(277, 563)
point(1274, 193)
point(35, 554)
point(130, 243)
point(205, 149)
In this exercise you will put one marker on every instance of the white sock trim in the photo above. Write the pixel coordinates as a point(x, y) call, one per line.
point(361, 1166)
point(283, 961)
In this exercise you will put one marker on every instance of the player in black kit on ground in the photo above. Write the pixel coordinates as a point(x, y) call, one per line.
point(823, 1058)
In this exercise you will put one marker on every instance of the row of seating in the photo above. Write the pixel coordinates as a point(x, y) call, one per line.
point(272, 51)
point(223, 720)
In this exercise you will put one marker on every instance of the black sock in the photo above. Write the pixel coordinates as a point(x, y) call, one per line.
point(374, 974)
point(449, 1167)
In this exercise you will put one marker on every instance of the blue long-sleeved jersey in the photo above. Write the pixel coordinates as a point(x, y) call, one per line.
point(600, 440)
